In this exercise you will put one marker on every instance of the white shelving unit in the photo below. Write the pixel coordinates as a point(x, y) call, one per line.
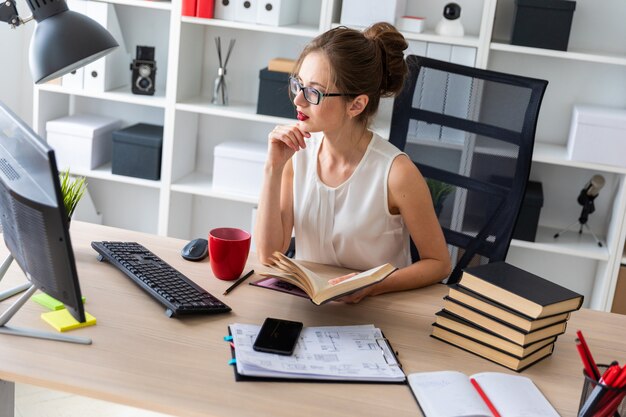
point(184, 204)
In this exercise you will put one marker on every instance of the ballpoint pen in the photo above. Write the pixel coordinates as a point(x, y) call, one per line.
point(239, 281)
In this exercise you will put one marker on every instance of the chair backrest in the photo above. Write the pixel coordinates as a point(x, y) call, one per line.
point(471, 133)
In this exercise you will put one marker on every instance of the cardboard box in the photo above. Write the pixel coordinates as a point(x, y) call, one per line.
point(81, 141)
point(619, 298)
point(543, 23)
point(274, 97)
point(598, 135)
point(367, 12)
point(137, 151)
point(238, 167)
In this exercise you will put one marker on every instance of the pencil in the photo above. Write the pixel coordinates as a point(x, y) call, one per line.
point(239, 281)
point(592, 363)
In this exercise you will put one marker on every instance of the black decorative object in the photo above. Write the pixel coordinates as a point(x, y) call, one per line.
point(143, 70)
point(543, 23)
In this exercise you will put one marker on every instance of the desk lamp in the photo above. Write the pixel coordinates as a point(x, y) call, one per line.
point(62, 41)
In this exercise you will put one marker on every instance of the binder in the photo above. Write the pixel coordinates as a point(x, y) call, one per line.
point(204, 8)
point(224, 9)
point(245, 10)
point(383, 355)
point(189, 8)
point(110, 71)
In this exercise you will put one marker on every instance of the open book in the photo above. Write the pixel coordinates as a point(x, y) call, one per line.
point(452, 394)
point(319, 289)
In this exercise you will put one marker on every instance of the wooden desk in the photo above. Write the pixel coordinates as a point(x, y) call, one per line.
point(141, 358)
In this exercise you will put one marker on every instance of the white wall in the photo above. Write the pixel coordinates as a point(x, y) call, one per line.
point(16, 87)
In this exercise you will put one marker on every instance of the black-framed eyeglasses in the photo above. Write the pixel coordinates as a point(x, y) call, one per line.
point(312, 95)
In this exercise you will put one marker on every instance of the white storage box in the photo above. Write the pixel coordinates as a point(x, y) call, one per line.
point(245, 10)
point(277, 12)
point(224, 9)
point(413, 24)
point(238, 167)
point(598, 135)
point(81, 141)
point(367, 12)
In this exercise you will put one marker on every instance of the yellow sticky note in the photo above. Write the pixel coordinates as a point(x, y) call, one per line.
point(49, 302)
point(63, 321)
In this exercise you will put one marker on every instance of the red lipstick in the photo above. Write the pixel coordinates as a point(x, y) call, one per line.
point(302, 117)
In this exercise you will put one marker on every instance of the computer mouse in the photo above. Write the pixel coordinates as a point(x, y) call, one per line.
point(195, 250)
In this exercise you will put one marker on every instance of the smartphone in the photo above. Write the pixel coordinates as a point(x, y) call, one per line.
point(278, 336)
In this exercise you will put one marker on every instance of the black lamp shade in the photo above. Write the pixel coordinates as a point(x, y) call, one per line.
point(64, 42)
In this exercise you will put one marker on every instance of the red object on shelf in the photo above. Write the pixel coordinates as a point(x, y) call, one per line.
point(189, 8)
point(205, 8)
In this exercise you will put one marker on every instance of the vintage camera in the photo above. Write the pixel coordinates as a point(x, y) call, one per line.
point(144, 71)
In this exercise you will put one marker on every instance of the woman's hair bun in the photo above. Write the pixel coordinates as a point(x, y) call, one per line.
point(392, 45)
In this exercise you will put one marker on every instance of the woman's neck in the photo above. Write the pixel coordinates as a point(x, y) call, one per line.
point(346, 146)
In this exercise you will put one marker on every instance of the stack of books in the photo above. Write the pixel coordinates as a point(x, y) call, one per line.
point(505, 314)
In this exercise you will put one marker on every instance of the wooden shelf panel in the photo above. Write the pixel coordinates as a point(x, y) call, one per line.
point(201, 184)
point(121, 95)
point(613, 59)
point(307, 31)
point(568, 243)
point(103, 172)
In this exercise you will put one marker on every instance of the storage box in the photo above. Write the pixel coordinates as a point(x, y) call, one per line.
point(274, 97)
point(598, 135)
point(277, 12)
point(619, 297)
point(528, 220)
point(411, 24)
point(367, 12)
point(137, 151)
point(245, 10)
point(543, 23)
point(224, 9)
point(81, 141)
point(238, 167)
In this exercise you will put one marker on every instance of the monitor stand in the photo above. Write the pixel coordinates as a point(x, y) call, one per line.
point(13, 308)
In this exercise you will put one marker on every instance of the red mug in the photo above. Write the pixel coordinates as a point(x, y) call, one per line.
point(228, 252)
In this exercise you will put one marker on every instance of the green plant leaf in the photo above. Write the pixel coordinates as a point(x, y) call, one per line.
point(72, 190)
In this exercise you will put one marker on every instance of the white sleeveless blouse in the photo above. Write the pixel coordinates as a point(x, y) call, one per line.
point(349, 225)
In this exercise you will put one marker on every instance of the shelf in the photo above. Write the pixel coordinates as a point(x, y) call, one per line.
point(430, 36)
point(146, 4)
point(121, 95)
point(568, 243)
point(613, 59)
point(557, 155)
point(307, 31)
point(201, 184)
point(235, 110)
point(103, 172)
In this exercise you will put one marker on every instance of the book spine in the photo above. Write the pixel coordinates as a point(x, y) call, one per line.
point(205, 9)
point(189, 8)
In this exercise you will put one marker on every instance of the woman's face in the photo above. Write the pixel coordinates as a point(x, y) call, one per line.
point(330, 113)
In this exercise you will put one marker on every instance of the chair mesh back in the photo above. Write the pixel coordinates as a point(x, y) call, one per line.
point(471, 133)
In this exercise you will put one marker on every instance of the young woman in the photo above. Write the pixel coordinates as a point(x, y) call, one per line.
point(350, 196)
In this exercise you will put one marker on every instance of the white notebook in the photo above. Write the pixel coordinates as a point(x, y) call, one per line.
point(451, 394)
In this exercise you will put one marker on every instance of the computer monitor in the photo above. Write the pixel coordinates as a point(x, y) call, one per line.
point(34, 221)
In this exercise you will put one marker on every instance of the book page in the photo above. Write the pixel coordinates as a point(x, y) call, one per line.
point(514, 395)
point(447, 394)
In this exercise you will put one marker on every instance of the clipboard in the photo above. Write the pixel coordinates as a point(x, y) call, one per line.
point(387, 351)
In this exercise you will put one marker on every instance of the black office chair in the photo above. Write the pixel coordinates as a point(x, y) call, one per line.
point(471, 133)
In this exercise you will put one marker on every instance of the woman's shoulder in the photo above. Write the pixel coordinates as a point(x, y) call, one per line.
point(383, 146)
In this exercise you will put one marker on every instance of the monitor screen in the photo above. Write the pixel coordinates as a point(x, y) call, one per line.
point(34, 223)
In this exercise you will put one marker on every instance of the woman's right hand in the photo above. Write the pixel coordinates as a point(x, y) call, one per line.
point(284, 141)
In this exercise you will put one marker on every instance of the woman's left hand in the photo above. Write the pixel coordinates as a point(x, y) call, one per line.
point(355, 297)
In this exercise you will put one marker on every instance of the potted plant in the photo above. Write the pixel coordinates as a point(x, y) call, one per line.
point(73, 190)
point(438, 192)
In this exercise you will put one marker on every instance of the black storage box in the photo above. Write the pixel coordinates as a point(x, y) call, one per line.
point(137, 151)
point(543, 23)
point(274, 97)
point(526, 226)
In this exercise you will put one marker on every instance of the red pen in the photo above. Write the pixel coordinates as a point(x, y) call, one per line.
point(594, 367)
point(609, 408)
point(584, 359)
point(485, 398)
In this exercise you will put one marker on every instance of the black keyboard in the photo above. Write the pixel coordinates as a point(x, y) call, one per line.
point(168, 286)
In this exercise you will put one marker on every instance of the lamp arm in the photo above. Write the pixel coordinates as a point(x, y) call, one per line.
point(8, 13)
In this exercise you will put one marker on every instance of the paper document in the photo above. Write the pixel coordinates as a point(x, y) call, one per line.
point(346, 353)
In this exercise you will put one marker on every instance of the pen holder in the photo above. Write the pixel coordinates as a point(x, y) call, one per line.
point(613, 399)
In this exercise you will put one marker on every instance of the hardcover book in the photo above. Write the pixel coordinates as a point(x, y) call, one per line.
point(520, 290)
point(493, 309)
point(503, 329)
point(318, 289)
point(500, 357)
point(457, 324)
